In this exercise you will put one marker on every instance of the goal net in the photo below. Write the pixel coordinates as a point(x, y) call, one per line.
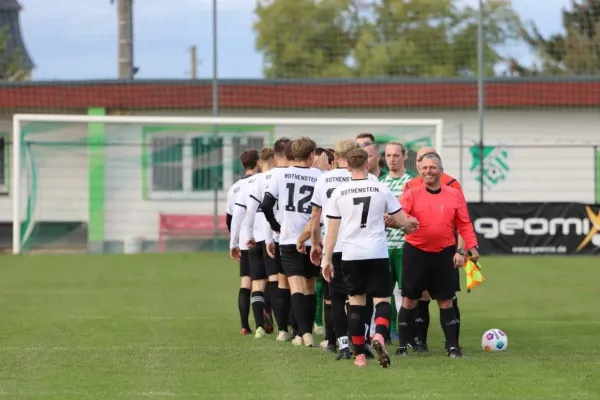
point(146, 184)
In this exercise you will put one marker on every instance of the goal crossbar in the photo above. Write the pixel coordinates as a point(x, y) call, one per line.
point(19, 119)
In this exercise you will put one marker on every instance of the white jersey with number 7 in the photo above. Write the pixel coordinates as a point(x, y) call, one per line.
point(361, 205)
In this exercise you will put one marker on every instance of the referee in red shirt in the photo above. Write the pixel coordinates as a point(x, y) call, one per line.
point(430, 255)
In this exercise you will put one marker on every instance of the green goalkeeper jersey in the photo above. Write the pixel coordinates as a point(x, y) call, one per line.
point(395, 237)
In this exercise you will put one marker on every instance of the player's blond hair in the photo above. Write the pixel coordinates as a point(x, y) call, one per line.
point(342, 147)
point(266, 153)
point(397, 143)
point(302, 148)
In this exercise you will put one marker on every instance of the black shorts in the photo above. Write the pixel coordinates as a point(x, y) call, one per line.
point(434, 272)
point(372, 277)
point(270, 263)
point(258, 271)
point(244, 263)
point(336, 286)
point(278, 259)
point(297, 264)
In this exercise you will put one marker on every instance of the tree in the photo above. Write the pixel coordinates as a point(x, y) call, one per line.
point(382, 38)
point(576, 51)
point(10, 60)
point(304, 38)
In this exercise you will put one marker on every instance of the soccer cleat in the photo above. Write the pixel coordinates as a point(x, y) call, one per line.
point(455, 352)
point(319, 330)
point(360, 360)
point(260, 333)
point(268, 322)
point(446, 347)
point(383, 357)
point(343, 354)
point(245, 331)
point(308, 340)
point(297, 341)
point(331, 348)
point(395, 336)
point(283, 336)
point(420, 347)
point(402, 351)
point(324, 344)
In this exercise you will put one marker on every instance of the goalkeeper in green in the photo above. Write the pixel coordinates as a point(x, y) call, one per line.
point(395, 179)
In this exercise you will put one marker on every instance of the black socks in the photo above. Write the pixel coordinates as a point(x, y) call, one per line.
point(406, 323)
point(244, 307)
point(422, 320)
point(257, 301)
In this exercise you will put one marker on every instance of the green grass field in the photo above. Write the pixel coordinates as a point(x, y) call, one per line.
point(166, 326)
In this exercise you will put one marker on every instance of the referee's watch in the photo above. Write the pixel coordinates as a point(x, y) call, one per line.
point(461, 251)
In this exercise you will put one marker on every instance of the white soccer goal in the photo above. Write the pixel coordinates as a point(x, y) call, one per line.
point(97, 183)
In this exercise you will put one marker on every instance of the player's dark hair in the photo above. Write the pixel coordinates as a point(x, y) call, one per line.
point(266, 153)
point(279, 146)
point(329, 152)
point(302, 148)
point(288, 151)
point(366, 135)
point(357, 158)
point(249, 159)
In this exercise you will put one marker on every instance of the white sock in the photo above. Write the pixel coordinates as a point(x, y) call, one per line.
point(397, 297)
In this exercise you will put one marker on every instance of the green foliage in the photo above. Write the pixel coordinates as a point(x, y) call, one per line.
point(346, 38)
point(576, 51)
point(10, 61)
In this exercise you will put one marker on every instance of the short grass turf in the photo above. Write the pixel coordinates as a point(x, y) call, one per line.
point(166, 326)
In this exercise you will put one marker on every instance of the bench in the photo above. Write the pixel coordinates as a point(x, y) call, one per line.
point(188, 225)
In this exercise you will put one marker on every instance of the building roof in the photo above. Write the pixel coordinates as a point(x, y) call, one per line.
point(300, 94)
point(9, 17)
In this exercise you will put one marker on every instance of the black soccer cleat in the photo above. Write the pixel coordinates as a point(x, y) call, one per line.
point(401, 351)
point(382, 355)
point(330, 348)
point(343, 354)
point(455, 352)
point(421, 347)
point(446, 346)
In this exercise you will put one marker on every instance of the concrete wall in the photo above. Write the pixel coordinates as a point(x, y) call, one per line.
point(535, 156)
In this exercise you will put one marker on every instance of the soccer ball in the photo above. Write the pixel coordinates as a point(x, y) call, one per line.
point(494, 340)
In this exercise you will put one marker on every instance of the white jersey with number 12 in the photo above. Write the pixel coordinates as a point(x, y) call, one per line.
point(293, 187)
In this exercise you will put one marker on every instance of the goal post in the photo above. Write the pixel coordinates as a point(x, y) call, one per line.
point(93, 183)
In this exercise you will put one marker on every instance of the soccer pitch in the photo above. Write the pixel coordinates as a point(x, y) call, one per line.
point(166, 326)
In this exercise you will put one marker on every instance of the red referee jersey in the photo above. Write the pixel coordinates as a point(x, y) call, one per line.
point(439, 213)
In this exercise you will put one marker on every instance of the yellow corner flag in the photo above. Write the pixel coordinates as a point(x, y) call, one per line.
point(474, 275)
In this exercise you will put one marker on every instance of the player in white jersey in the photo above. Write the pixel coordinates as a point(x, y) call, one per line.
point(356, 212)
point(238, 248)
point(293, 189)
point(282, 155)
point(337, 293)
point(261, 265)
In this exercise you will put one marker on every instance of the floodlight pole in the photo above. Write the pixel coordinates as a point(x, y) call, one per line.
point(215, 113)
point(480, 93)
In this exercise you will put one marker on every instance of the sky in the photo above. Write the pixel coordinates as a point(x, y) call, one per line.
point(77, 39)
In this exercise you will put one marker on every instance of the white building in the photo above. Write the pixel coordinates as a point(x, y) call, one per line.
point(540, 139)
